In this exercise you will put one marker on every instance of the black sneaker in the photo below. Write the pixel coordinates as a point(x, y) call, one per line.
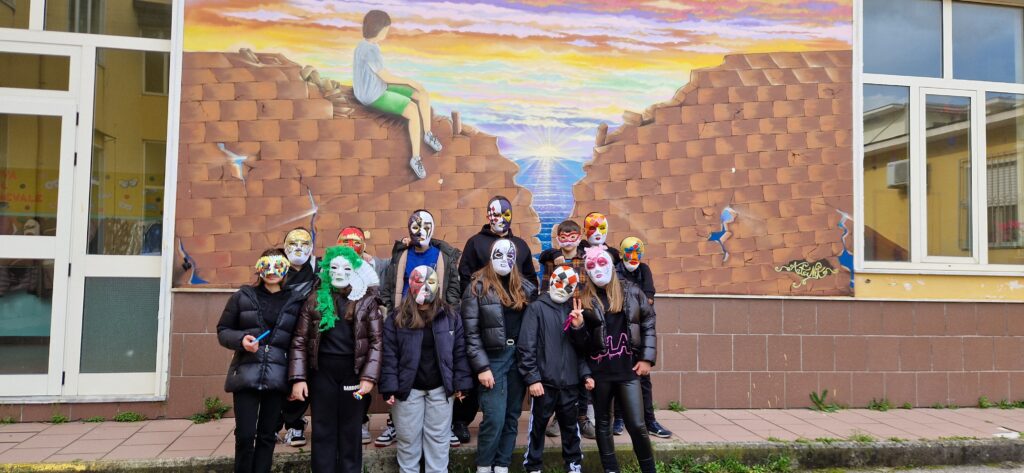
point(618, 426)
point(655, 429)
point(461, 430)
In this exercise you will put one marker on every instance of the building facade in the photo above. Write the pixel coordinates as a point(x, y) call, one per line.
point(828, 194)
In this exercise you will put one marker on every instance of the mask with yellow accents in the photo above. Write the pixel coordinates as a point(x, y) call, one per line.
point(632, 251)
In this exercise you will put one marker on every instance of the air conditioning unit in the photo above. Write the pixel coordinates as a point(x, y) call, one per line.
point(897, 173)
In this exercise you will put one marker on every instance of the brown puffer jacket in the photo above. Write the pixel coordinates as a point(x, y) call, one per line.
point(367, 326)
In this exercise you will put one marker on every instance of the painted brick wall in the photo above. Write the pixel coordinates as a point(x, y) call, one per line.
point(768, 135)
point(304, 138)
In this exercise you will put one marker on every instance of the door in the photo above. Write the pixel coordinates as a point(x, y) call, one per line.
point(37, 141)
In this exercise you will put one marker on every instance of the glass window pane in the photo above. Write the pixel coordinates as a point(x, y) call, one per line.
point(988, 42)
point(33, 71)
point(119, 323)
point(1004, 132)
point(948, 156)
point(886, 173)
point(903, 37)
point(26, 295)
point(29, 172)
point(14, 13)
point(127, 159)
point(140, 18)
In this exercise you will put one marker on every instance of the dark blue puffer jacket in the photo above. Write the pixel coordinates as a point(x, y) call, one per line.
point(402, 356)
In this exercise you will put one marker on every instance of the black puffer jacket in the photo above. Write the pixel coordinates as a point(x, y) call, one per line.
point(267, 369)
point(546, 352)
point(640, 317)
point(483, 319)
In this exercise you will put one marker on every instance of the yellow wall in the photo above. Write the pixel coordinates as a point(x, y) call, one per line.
point(898, 286)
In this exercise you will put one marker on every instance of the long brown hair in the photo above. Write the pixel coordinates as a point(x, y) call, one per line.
point(490, 280)
point(616, 294)
point(409, 315)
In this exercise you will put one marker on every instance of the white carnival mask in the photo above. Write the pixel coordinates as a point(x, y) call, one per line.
point(499, 215)
point(421, 228)
point(599, 265)
point(503, 257)
point(562, 284)
point(341, 272)
point(596, 228)
point(298, 245)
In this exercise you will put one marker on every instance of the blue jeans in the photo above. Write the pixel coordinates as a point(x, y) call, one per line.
point(501, 407)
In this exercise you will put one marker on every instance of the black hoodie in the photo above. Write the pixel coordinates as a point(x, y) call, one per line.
point(477, 254)
point(546, 353)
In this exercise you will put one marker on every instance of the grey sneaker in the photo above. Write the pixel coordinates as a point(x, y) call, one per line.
point(454, 440)
point(366, 433)
point(553, 430)
point(432, 142)
point(417, 167)
point(587, 428)
point(387, 437)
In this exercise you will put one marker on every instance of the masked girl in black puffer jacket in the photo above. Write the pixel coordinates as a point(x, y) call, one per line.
point(492, 313)
point(257, 324)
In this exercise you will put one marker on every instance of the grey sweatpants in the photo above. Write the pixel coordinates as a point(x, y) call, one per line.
point(423, 424)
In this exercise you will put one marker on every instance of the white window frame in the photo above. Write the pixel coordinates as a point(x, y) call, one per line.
point(919, 262)
point(83, 49)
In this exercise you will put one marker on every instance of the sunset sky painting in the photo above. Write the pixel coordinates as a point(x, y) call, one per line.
point(540, 75)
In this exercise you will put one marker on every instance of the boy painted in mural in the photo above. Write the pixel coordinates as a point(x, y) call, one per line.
point(378, 88)
point(632, 269)
point(552, 369)
point(475, 256)
point(568, 252)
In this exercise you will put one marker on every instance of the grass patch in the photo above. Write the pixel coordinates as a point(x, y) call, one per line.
point(803, 440)
point(958, 438)
point(59, 419)
point(984, 403)
point(675, 406)
point(861, 438)
point(775, 464)
point(826, 440)
point(907, 405)
point(1004, 404)
point(821, 403)
point(896, 439)
point(213, 408)
point(129, 416)
point(95, 419)
point(777, 440)
point(7, 420)
point(880, 405)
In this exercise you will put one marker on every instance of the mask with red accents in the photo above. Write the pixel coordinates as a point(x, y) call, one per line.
point(499, 215)
point(423, 284)
point(596, 228)
point(599, 265)
point(632, 251)
point(353, 237)
point(568, 239)
point(562, 283)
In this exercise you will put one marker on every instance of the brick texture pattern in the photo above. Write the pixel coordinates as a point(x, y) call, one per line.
point(768, 135)
point(304, 136)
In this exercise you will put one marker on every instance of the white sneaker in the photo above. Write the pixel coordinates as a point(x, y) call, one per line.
point(366, 433)
point(432, 141)
point(483, 469)
point(387, 437)
point(295, 438)
point(501, 469)
point(417, 167)
point(454, 441)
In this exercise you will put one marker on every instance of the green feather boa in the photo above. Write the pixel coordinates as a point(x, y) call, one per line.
point(324, 301)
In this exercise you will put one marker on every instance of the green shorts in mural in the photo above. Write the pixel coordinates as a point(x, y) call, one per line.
point(394, 100)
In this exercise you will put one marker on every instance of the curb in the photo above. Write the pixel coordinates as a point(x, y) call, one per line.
point(804, 456)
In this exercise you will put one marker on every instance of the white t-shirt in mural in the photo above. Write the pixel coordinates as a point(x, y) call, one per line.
point(367, 85)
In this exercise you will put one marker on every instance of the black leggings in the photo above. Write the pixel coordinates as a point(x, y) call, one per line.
point(633, 404)
point(337, 416)
point(257, 416)
point(648, 391)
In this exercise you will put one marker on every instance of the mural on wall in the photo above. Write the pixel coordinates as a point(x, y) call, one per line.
point(548, 104)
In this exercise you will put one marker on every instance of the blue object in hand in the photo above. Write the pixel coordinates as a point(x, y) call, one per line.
point(262, 335)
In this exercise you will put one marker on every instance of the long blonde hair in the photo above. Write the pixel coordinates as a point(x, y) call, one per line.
point(616, 294)
point(488, 279)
